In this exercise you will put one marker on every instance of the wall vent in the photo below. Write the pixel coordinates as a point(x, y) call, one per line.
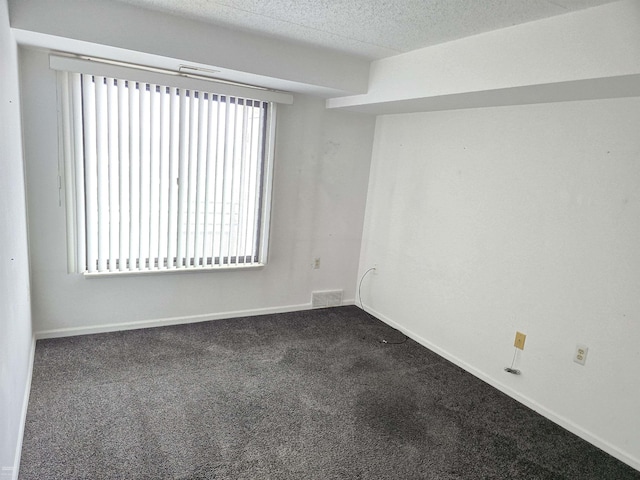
point(327, 298)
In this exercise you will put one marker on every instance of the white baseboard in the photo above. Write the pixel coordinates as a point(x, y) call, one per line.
point(541, 409)
point(162, 322)
point(23, 413)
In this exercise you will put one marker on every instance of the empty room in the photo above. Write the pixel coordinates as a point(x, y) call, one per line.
point(319, 240)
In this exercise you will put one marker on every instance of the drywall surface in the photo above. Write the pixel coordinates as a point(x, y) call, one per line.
point(15, 317)
point(595, 43)
point(486, 221)
point(118, 25)
point(320, 182)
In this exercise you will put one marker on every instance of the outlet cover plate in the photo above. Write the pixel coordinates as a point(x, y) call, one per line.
point(519, 341)
point(580, 355)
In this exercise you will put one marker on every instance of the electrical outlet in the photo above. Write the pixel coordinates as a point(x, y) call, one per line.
point(580, 355)
point(316, 263)
point(519, 341)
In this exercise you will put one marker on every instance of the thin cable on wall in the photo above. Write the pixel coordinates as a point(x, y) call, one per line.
point(360, 286)
point(510, 369)
point(386, 342)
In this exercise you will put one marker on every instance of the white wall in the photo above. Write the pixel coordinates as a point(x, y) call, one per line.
point(15, 316)
point(486, 221)
point(320, 183)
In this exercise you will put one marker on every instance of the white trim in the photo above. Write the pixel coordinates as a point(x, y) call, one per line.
point(162, 322)
point(542, 410)
point(165, 78)
point(23, 413)
point(130, 273)
point(267, 190)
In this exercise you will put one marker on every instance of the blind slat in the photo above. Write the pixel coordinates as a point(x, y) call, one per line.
point(163, 172)
point(218, 184)
point(90, 172)
point(134, 173)
point(233, 196)
point(242, 186)
point(224, 255)
point(79, 197)
point(144, 176)
point(209, 192)
point(154, 174)
point(190, 180)
point(200, 222)
point(182, 180)
point(123, 157)
point(174, 158)
point(102, 171)
point(114, 174)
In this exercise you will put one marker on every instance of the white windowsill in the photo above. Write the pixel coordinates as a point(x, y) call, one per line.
point(222, 268)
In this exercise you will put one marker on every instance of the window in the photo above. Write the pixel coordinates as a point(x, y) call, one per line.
point(163, 177)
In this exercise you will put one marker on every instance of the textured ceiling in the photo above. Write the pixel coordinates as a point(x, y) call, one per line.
point(369, 28)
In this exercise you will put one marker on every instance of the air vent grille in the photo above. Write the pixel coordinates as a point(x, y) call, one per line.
point(327, 298)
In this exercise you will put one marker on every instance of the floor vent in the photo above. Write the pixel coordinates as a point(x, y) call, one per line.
point(328, 298)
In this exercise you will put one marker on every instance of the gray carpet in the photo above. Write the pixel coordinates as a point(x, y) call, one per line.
point(307, 395)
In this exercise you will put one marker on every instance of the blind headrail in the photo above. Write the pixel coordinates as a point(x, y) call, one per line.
point(145, 74)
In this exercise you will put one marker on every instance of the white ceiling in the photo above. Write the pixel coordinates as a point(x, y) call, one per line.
point(368, 28)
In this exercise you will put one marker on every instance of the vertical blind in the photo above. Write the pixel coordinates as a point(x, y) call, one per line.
point(164, 177)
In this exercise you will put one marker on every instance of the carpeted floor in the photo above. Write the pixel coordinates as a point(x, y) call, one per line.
point(306, 395)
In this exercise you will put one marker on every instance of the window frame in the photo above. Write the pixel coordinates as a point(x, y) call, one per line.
point(72, 181)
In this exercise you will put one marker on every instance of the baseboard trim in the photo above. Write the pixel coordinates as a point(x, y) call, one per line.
point(537, 407)
point(23, 413)
point(163, 322)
